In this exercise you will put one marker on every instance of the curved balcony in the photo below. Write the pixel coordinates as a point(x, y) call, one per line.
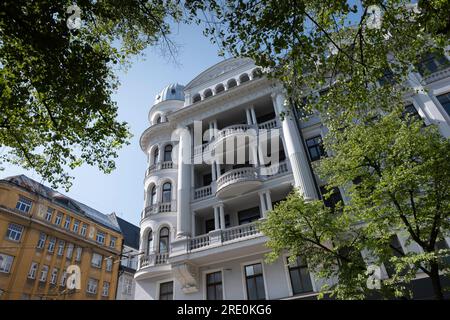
point(160, 166)
point(152, 265)
point(157, 208)
point(238, 181)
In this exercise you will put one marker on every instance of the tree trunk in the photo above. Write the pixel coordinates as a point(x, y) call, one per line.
point(436, 281)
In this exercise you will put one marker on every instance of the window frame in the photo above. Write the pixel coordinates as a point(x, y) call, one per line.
point(107, 287)
point(51, 245)
point(61, 245)
point(89, 283)
point(24, 202)
point(100, 235)
point(164, 237)
point(98, 266)
point(244, 278)
point(205, 277)
point(317, 146)
point(289, 279)
point(32, 272)
point(15, 232)
point(67, 222)
point(43, 274)
point(58, 219)
point(166, 193)
point(83, 229)
point(41, 241)
point(162, 282)
point(7, 261)
point(49, 214)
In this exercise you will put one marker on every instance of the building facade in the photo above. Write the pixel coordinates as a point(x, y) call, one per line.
point(44, 234)
point(129, 261)
point(206, 185)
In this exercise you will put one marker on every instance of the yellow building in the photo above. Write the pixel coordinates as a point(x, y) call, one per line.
point(42, 232)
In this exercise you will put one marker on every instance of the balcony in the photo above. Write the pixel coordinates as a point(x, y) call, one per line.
point(438, 75)
point(154, 259)
point(238, 181)
point(160, 166)
point(203, 192)
point(242, 177)
point(157, 208)
point(221, 237)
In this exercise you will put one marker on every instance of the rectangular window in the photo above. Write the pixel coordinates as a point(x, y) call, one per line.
point(69, 251)
point(63, 278)
point(44, 272)
point(96, 260)
point(61, 245)
point(112, 242)
point(6, 262)
point(315, 148)
point(254, 281)
point(76, 226)
point(51, 245)
point(67, 222)
point(105, 291)
point(100, 237)
point(92, 286)
point(33, 270)
point(109, 264)
point(54, 276)
point(79, 251)
point(23, 204)
point(444, 100)
point(49, 214)
point(127, 286)
point(41, 240)
point(299, 275)
point(83, 229)
point(333, 199)
point(166, 291)
point(249, 215)
point(214, 286)
point(58, 218)
point(14, 232)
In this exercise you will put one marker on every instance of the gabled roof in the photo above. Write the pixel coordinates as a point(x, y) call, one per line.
point(130, 232)
point(64, 201)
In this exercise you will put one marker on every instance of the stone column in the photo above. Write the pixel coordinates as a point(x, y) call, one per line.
point(222, 216)
point(184, 184)
point(265, 202)
point(216, 218)
point(303, 177)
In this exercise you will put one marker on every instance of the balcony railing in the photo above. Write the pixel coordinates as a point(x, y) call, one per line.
point(160, 166)
point(271, 124)
point(154, 259)
point(438, 75)
point(203, 192)
point(157, 208)
point(233, 129)
point(199, 242)
point(230, 234)
point(237, 175)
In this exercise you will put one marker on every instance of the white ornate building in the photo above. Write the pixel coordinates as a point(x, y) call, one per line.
point(198, 234)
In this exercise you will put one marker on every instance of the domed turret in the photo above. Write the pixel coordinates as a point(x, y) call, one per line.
point(173, 91)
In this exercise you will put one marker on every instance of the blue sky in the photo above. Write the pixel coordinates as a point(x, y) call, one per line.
point(122, 191)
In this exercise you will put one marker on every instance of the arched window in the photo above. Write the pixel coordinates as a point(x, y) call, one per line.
point(164, 240)
point(168, 153)
point(167, 192)
point(155, 155)
point(149, 241)
point(232, 83)
point(244, 78)
point(219, 88)
point(158, 119)
point(207, 93)
point(196, 98)
point(153, 195)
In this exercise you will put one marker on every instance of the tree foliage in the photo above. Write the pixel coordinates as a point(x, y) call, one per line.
point(336, 64)
point(56, 83)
